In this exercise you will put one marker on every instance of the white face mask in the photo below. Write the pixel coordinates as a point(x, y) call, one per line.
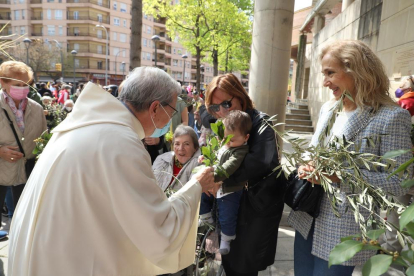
point(69, 108)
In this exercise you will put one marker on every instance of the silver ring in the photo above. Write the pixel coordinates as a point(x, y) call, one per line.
point(12, 159)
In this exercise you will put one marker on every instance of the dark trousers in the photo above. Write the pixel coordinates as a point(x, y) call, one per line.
point(16, 191)
point(306, 264)
point(228, 209)
point(230, 272)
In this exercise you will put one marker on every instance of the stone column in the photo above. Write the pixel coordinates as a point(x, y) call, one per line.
point(300, 69)
point(346, 3)
point(270, 58)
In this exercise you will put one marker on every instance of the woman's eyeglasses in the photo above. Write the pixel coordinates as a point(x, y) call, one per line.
point(216, 107)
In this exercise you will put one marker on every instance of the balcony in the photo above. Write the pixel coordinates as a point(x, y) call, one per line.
point(98, 3)
point(88, 17)
point(37, 34)
point(87, 50)
point(4, 1)
point(37, 17)
point(5, 16)
point(71, 33)
point(35, 1)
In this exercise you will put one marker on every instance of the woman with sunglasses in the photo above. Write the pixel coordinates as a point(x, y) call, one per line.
point(256, 235)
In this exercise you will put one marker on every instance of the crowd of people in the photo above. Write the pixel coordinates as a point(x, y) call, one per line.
point(116, 191)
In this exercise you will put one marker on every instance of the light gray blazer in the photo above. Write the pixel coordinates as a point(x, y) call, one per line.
point(391, 120)
point(163, 170)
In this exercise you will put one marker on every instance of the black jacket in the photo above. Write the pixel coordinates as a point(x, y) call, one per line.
point(256, 234)
point(262, 157)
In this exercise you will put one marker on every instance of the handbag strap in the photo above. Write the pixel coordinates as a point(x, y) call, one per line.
point(14, 132)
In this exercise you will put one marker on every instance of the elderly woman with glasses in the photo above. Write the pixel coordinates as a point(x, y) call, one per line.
point(174, 168)
point(256, 233)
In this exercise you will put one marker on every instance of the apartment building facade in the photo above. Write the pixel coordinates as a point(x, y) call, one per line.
point(88, 26)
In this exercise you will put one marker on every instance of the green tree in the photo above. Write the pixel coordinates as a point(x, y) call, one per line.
point(200, 25)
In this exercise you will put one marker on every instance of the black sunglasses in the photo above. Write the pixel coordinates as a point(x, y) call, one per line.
point(216, 107)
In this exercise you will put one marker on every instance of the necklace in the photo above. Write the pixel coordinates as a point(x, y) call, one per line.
point(177, 163)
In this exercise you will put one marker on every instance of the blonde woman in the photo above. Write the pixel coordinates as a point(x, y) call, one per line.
point(350, 66)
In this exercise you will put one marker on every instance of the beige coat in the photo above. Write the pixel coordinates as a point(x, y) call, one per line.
point(92, 205)
point(35, 125)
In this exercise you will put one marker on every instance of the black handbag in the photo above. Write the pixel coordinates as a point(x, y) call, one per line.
point(29, 163)
point(302, 195)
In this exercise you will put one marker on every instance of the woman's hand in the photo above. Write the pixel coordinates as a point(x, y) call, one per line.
point(10, 154)
point(305, 170)
point(151, 141)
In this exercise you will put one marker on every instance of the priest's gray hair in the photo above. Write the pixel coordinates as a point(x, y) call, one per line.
point(145, 85)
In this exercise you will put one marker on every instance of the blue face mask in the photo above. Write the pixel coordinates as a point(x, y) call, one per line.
point(158, 132)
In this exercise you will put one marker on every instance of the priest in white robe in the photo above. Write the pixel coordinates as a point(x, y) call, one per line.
point(92, 205)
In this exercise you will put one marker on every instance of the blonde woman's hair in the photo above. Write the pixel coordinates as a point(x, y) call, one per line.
point(359, 61)
point(11, 69)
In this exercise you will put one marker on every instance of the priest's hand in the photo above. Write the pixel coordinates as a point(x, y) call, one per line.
point(206, 179)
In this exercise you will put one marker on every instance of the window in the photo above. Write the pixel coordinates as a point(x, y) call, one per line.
point(115, 5)
point(99, 17)
point(75, 15)
point(122, 37)
point(125, 24)
point(99, 33)
point(76, 46)
point(175, 62)
point(123, 7)
point(49, 14)
point(180, 63)
point(60, 30)
point(77, 63)
point(176, 39)
point(99, 49)
point(76, 31)
point(148, 56)
point(116, 21)
point(21, 1)
point(100, 2)
point(124, 53)
point(114, 36)
point(16, 15)
point(116, 51)
point(22, 30)
point(144, 42)
point(149, 30)
point(23, 14)
point(145, 16)
point(50, 30)
point(179, 51)
point(207, 69)
point(50, 1)
point(58, 14)
point(100, 64)
point(174, 51)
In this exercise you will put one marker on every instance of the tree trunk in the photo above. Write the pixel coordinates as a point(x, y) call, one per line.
point(136, 34)
point(227, 60)
point(215, 61)
point(198, 63)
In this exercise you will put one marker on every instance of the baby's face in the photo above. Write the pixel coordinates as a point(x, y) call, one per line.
point(237, 140)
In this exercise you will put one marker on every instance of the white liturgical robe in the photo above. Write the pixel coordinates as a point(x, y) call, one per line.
point(92, 205)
